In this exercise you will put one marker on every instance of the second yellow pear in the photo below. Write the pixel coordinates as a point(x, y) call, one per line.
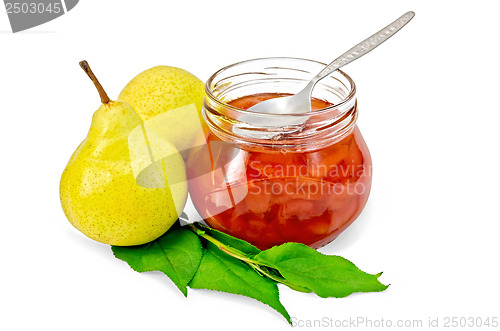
point(169, 101)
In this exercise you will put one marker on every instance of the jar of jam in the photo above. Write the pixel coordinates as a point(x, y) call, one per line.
point(304, 180)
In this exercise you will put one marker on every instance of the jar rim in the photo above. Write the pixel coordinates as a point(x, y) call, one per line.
point(310, 129)
point(214, 98)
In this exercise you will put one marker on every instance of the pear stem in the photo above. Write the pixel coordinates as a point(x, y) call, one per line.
point(85, 66)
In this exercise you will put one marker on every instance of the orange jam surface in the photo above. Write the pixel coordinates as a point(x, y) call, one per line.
point(269, 197)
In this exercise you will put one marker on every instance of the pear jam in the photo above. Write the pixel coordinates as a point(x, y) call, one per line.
point(268, 197)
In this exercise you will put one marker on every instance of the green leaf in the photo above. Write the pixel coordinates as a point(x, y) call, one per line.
point(221, 272)
point(325, 275)
point(241, 245)
point(177, 254)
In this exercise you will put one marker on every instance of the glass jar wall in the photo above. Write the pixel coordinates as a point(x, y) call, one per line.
point(276, 178)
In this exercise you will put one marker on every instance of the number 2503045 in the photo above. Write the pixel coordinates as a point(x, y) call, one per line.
point(32, 8)
point(453, 322)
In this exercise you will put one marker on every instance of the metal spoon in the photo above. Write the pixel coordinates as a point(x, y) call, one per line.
point(300, 103)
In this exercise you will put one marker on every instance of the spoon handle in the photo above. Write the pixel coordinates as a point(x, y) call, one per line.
point(366, 45)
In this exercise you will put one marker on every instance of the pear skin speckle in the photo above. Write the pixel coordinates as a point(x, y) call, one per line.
point(98, 190)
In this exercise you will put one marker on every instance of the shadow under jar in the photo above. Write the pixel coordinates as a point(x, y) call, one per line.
point(269, 184)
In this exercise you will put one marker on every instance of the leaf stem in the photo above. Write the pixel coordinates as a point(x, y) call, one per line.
point(259, 267)
point(264, 271)
point(223, 247)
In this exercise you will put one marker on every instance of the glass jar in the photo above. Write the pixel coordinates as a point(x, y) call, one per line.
point(267, 183)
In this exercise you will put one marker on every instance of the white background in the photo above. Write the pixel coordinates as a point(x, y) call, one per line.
point(429, 106)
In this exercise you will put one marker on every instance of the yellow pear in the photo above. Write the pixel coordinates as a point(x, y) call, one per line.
point(123, 185)
point(169, 100)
